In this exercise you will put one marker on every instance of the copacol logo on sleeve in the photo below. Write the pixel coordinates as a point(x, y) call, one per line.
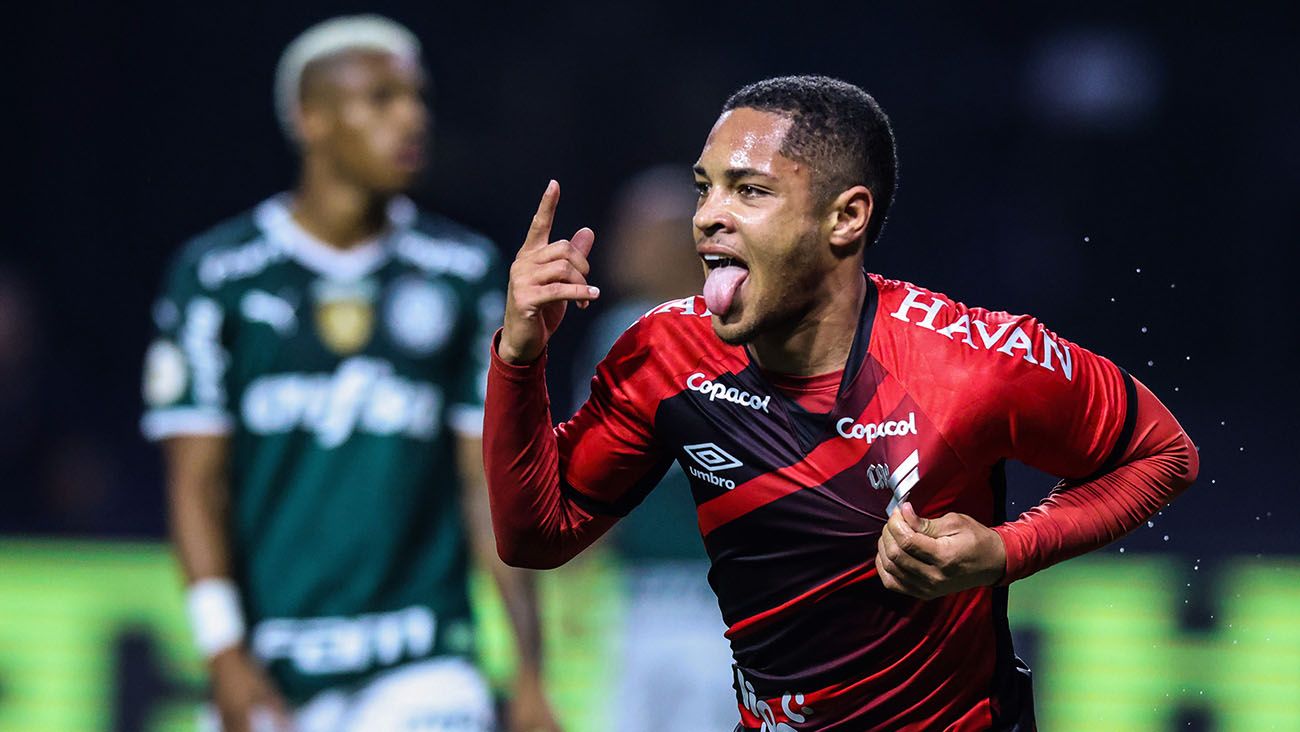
point(712, 458)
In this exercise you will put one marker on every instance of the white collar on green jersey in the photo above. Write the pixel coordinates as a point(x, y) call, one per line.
point(274, 218)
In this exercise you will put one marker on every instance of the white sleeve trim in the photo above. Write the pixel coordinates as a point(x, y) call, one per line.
point(466, 420)
point(159, 424)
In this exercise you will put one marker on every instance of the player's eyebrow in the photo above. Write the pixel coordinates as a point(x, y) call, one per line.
point(734, 174)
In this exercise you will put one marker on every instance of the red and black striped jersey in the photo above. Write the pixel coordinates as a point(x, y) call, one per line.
point(934, 398)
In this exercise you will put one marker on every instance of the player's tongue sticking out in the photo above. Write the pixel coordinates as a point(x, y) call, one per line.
point(720, 287)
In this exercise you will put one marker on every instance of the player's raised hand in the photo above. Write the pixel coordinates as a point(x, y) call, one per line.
point(545, 276)
point(929, 558)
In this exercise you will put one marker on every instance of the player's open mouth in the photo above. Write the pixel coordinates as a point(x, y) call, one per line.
point(725, 277)
point(714, 261)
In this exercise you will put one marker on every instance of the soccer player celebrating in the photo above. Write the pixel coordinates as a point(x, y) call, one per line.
point(317, 385)
point(845, 434)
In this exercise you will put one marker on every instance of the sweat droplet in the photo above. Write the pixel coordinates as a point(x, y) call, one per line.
point(1144, 329)
point(1138, 270)
point(1166, 537)
point(1151, 524)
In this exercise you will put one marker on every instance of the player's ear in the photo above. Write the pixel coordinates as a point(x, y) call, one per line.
point(312, 125)
point(848, 216)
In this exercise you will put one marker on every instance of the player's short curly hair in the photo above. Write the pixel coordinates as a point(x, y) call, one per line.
point(838, 130)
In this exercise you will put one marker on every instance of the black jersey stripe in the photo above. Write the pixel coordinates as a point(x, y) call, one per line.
point(628, 501)
point(1125, 433)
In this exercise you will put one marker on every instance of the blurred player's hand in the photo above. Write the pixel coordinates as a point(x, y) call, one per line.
point(929, 558)
point(529, 709)
point(543, 279)
point(245, 696)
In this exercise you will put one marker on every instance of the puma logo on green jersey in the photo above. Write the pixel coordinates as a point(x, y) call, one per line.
point(363, 394)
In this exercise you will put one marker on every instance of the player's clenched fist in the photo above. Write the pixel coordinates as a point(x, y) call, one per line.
point(543, 279)
point(929, 558)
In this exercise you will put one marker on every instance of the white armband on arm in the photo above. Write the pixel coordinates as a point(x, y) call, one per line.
point(215, 615)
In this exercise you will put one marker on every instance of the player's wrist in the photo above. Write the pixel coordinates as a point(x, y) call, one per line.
point(216, 616)
point(513, 355)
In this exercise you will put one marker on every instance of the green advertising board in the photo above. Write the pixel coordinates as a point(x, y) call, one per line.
point(93, 637)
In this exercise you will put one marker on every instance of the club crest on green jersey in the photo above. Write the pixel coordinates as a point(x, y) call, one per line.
point(420, 314)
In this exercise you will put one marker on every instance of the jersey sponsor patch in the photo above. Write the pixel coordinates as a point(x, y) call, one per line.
point(1006, 337)
point(164, 374)
point(715, 390)
point(334, 645)
point(852, 430)
point(363, 394)
point(771, 716)
point(420, 315)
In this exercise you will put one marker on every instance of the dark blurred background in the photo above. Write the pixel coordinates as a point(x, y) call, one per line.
point(1128, 172)
point(1129, 175)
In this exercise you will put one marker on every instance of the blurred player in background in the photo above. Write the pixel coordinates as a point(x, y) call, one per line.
point(317, 385)
point(844, 434)
point(671, 644)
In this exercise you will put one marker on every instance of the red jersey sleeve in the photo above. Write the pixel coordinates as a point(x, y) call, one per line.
point(609, 455)
point(555, 491)
point(1006, 387)
point(1046, 402)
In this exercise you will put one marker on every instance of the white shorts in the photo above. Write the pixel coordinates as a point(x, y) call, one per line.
point(438, 695)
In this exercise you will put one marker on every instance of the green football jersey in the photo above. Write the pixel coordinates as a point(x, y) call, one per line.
point(342, 378)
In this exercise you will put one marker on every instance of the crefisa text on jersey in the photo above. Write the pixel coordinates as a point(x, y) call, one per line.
point(1013, 339)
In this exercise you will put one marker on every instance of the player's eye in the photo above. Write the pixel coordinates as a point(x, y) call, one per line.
point(749, 191)
point(701, 188)
point(381, 96)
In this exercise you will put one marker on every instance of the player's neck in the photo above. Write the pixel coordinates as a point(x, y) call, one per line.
point(338, 213)
point(820, 341)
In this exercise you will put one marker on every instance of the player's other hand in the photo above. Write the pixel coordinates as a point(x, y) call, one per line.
point(529, 711)
point(245, 696)
point(929, 558)
point(545, 276)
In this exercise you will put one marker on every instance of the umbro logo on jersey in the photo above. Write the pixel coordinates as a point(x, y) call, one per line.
point(715, 391)
point(854, 431)
point(712, 458)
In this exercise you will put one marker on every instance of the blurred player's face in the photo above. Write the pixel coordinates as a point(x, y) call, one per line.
point(758, 228)
point(364, 115)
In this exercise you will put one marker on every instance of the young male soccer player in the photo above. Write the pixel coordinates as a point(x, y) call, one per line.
point(845, 433)
point(317, 383)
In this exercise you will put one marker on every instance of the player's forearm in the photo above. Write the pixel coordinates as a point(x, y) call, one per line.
point(535, 525)
point(198, 494)
point(519, 595)
point(1076, 518)
point(516, 586)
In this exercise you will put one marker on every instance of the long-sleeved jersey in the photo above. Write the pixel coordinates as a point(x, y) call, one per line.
point(934, 398)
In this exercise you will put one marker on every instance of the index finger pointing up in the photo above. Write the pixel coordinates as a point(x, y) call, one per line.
point(539, 232)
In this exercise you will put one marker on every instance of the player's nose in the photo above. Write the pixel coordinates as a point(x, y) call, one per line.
point(712, 216)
